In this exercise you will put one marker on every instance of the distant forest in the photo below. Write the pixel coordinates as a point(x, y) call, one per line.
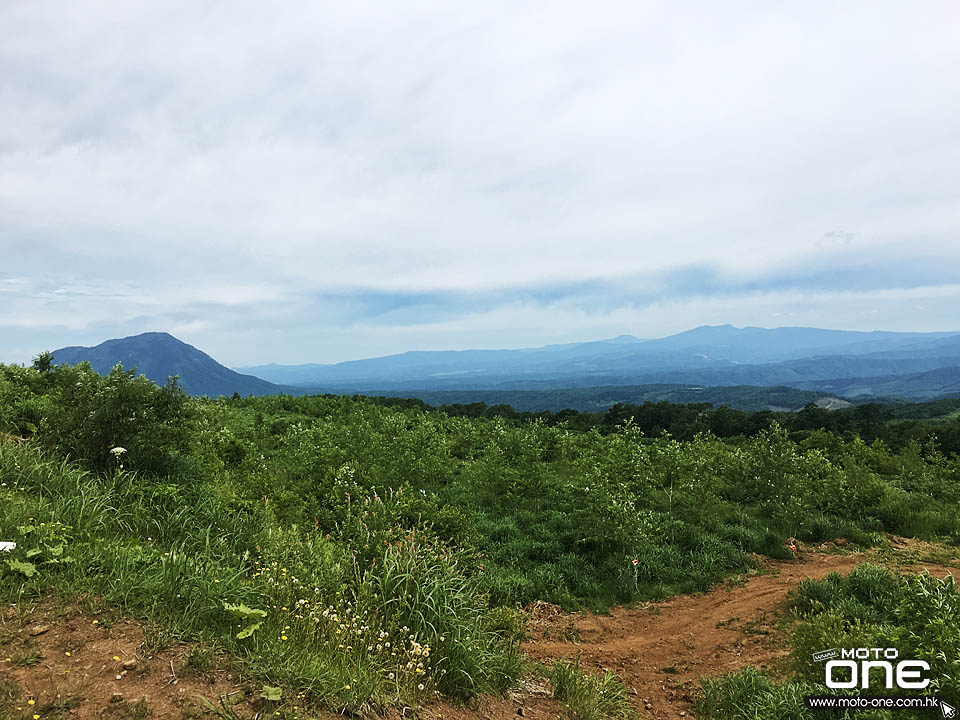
point(895, 424)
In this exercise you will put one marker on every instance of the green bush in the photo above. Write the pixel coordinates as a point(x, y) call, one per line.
point(91, 415)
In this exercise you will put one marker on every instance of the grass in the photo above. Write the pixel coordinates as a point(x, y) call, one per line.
point(590, 696)
point(201, 660)
point(751, 695)
point(9, 690)
point(28, 658)
point(402, 626)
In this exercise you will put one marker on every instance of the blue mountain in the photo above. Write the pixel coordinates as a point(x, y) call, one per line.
point(158, 355)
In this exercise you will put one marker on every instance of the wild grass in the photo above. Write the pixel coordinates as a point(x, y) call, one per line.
point(751, 695)
point(590, 696)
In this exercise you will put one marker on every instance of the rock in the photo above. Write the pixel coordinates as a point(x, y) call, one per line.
point(39, 630)
point(119, 677)
point(116, 698)
point(129, 665)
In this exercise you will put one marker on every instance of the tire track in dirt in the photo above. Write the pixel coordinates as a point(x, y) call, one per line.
point(660, 651)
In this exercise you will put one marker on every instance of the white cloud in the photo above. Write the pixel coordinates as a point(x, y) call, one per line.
point(185, 157)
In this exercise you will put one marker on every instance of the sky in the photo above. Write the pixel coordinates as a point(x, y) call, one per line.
point(323, 181)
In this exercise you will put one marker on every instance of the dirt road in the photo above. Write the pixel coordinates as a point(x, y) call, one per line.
point(661, 651)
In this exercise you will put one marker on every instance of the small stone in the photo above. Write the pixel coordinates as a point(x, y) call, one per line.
point(129, 665)
point(39, 630)
point(116, 698)
point(119, 677)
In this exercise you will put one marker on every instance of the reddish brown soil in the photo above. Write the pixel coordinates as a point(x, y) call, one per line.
point(71, 665)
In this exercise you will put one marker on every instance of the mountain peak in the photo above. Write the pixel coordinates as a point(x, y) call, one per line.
point(159, 355)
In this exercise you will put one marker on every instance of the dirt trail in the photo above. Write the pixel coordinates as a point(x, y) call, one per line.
point(661, 651)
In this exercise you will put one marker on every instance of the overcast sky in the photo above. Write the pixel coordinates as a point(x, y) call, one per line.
point(321, 181)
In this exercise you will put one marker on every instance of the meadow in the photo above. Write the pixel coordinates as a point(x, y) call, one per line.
point(361, 555)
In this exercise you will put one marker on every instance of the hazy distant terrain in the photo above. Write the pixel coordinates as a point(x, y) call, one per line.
point(746, 368)
point(825, 361)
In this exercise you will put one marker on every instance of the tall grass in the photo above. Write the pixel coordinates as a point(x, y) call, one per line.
point(357, 638)
point(590, 696)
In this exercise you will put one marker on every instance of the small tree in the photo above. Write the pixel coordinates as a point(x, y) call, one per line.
point(43, 362)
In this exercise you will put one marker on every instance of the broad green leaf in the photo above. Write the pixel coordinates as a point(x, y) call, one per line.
point(248, 631)
point(242, 611)
point(24, 568)
point(33, 552)
point(272, 694)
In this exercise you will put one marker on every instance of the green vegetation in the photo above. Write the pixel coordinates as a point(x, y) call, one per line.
point(896, 424)
point(588, 696)
point(870, 608)
point(370, 555)
point(600, 399)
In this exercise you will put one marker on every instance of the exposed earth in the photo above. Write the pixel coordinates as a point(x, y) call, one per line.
point(81, 661)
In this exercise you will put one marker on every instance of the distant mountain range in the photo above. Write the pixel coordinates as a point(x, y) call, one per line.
point(750, 368)
point(158, 355)
point(807, 358)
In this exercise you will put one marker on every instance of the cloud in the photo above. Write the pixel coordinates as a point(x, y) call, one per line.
point(229, 169)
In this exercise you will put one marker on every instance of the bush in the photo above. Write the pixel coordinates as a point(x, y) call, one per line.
point(417, 585)
point(90, 415)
